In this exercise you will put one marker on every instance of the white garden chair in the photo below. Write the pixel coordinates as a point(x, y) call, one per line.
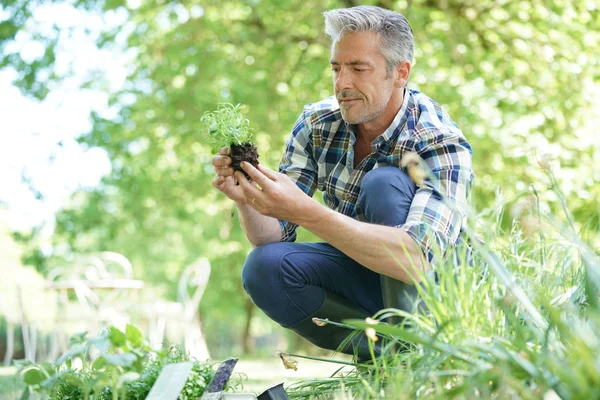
point(181, 319)
point(100, 281)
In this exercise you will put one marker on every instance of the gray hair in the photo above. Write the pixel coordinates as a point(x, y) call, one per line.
point(397, 40)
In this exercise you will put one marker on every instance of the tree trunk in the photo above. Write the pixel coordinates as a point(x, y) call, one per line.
point(247, 342)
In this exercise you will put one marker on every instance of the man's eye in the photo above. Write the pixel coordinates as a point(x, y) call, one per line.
point(358, 69)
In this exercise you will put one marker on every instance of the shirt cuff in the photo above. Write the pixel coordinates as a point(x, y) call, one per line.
point(430, 241)
point(288, 231)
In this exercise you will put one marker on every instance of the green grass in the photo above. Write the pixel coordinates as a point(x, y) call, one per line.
point(522, 322)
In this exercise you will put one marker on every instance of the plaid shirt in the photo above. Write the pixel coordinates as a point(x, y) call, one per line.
point(320, 154)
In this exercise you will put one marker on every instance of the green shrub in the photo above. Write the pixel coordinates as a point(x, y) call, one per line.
point(114, 365)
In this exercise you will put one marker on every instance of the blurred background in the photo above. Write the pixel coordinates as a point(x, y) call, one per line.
point(100, 103)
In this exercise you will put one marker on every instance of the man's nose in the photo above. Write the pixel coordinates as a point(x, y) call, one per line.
point(343, 80)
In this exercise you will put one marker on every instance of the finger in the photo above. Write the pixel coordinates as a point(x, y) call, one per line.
point(218, 182)
point(257, 176)
point(226, 171)
point(249, 188)
point(269, 173)
point(221, 161)
point(224, 151)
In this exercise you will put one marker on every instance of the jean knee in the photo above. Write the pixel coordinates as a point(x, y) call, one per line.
point(386, 195)
point(281, 299)
point(261, 267)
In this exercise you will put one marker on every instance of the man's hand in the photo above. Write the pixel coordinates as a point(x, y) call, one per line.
point(225, 181)
point(277, 197)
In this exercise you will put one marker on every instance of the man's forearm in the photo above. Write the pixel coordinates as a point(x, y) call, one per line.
point(259, 229)
point(384, 249)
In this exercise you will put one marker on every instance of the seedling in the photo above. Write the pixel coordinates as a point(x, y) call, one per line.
point(227, 127)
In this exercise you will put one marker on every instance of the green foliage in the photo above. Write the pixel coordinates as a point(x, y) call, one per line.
point(227, 126)
point(521, 322)
point(114, 365)
point(516, 76)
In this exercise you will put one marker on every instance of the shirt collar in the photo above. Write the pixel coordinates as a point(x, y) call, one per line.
point(398, 121)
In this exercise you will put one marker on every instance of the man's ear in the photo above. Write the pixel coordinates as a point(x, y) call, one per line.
point(402, 74)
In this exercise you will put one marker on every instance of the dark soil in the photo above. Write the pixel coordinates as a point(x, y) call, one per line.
point(246, 152)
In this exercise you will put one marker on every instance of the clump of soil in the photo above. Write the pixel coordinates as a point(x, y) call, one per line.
point(246, 152)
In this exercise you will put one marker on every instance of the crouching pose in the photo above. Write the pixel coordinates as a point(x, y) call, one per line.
point(378, 225)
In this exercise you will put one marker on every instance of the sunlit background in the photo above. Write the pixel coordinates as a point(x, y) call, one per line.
point(99, 128)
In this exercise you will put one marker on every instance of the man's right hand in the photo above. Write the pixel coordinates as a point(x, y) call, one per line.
point(225, 180)
point(258, 228)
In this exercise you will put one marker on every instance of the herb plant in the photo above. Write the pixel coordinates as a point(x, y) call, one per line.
point(114, 365)
point(227, 127)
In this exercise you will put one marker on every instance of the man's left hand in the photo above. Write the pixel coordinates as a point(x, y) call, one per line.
point(273, 194)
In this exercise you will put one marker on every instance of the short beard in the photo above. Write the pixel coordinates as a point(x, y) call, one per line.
point(363, 116)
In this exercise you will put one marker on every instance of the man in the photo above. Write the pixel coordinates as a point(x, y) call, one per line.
point(382, 232)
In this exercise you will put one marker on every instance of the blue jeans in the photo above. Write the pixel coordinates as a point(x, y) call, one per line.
point(288, 280)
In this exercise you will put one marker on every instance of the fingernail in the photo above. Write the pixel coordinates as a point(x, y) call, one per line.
point(244, 164)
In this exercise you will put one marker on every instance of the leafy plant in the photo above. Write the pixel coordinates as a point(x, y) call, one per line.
point(227, 127)
point(114, 365)
point(520, 321)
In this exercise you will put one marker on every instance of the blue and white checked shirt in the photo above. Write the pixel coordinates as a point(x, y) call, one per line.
point(319, 154)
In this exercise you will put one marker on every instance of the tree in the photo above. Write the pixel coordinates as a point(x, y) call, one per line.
point(516, 77)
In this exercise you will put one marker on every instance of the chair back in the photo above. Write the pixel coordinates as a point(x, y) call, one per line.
point(192, 285)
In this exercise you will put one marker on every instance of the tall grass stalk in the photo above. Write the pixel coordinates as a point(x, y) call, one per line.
point(518, 318)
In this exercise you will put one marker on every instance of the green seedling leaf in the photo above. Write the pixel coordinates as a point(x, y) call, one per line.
point(134, 335)
point(48, 367)
point(138, 365)
point(50, 382)
point(74, 351)
point(226, 126)
point(102, 343)
point(33, 376)
point(102, 379)
point(122, 360)
point(116, 337)
point(99, 363)
point(74, 380)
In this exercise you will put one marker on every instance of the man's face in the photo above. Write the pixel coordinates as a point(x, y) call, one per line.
point(361, 82)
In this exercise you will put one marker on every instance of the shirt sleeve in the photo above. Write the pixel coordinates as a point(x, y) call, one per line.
point(299, 164)
point(438, 210)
